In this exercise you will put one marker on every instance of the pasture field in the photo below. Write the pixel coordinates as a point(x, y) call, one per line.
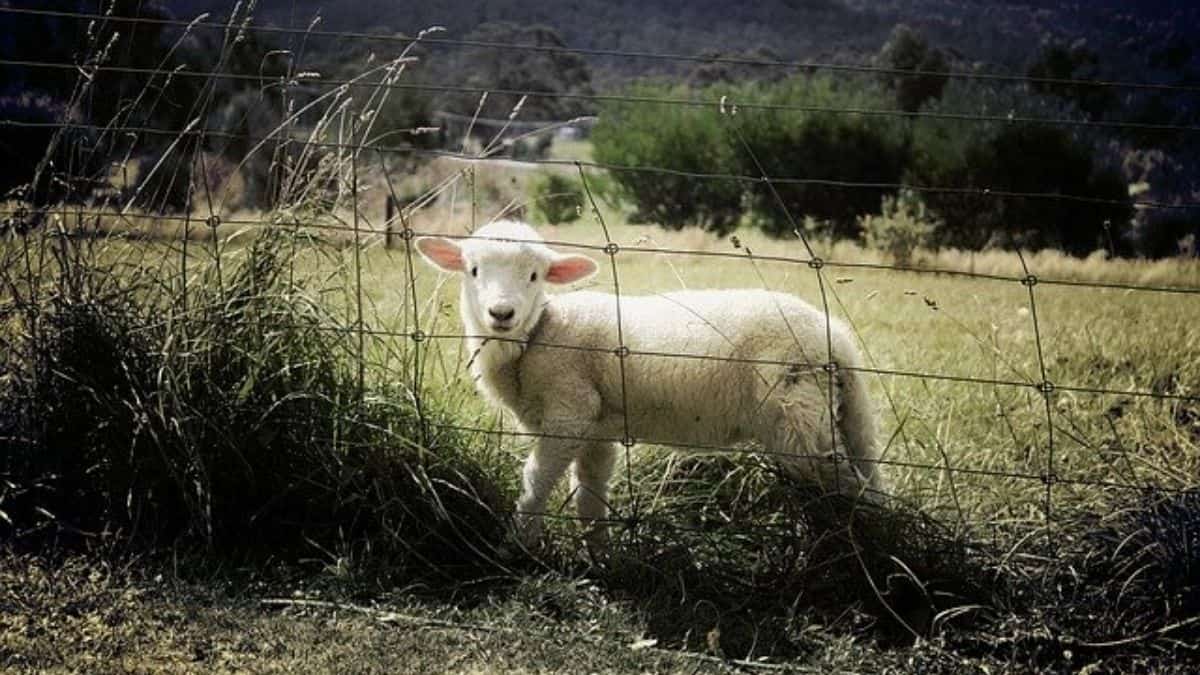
point(954, 360)
point(1025, 531)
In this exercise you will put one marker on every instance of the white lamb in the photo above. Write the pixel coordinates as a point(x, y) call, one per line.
point(774, 387)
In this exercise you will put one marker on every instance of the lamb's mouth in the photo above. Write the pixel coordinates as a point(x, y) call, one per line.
point(502, 327)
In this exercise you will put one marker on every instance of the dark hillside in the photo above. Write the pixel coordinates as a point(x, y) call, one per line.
point(1145, 40)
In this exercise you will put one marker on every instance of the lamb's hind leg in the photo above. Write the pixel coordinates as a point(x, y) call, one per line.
point(793, 423)
point(593, 469)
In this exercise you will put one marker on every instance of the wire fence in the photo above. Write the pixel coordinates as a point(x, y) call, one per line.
point(362, 161)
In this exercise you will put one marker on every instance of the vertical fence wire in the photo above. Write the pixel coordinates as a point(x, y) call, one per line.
point(416, 335)
point(1046, 390)
point(611, 249)
point(358, 289)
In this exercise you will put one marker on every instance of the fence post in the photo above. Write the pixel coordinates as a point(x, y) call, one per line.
point(389, 217)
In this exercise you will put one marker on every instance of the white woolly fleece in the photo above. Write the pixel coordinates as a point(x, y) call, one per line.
point(710, 368)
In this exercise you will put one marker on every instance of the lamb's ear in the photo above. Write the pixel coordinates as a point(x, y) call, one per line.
point(568, 269)
point(441, 252)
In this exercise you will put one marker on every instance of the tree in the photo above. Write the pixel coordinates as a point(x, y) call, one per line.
point(679, 138)
point(1086, 205)
point(50, 163)
point(713, 70)
point(1060, 62)
point(908, 50)
point(496, 68)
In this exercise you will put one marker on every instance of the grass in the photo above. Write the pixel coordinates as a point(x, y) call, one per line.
point(80, 615)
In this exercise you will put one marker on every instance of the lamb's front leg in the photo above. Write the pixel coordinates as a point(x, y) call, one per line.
point(567, 421)
point(543, 469)
point(593, 469)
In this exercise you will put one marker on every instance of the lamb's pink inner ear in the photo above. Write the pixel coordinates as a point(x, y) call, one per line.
point(570, 268)
point(441, 252)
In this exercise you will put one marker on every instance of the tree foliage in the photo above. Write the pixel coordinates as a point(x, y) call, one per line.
point(680, 138)
point(925, 79)
point(71, 149)
point(556, 199)
point(825, 148)
point(1057, 61)
point(985, 182)
point(494, 69)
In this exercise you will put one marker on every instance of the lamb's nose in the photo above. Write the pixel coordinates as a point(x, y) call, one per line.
point(502, 312)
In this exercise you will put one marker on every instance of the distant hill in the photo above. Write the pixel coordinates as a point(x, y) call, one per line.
point(1144, 40)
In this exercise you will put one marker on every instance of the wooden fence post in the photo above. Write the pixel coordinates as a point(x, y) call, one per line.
point(389, 219)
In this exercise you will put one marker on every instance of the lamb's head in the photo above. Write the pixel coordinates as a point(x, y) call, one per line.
point(505, 268)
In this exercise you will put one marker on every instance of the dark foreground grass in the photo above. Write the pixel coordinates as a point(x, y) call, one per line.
point(156, 613)
point(228, 416)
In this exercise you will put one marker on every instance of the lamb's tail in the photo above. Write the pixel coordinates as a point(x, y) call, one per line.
point(857, 423)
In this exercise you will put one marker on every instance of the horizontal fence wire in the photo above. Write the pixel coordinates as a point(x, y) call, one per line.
point(752, 451)
point(405, 40)
point(982, 192)
point(288, 81)
point(418, 336)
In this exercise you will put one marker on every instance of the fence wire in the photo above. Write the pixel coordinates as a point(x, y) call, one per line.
point(314, 80)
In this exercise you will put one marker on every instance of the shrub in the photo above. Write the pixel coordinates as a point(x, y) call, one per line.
point(556, 199)
point(1027, 158)
point(1000, 157)
point(909, 50)
point(1168, 237)
point(1071, 62)
point(679, 138)
point(904, 225)
point(824, 148)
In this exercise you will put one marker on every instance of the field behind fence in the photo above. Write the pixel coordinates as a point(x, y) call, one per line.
point(183, 367)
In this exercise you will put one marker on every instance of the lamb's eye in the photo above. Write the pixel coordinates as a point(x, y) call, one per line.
point(533, 277)
point(475, 271)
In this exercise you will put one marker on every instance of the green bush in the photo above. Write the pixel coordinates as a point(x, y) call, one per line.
point(556, 199)
point(1027, 158)
point(679, 138)
point(904, 225)
point(975, 166)
point(909, 50)
point(836, 167)
point(822, 147)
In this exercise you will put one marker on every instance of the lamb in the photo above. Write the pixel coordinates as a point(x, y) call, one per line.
point(710, 368)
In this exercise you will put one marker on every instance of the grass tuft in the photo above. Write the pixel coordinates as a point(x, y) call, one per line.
point(226, 414)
